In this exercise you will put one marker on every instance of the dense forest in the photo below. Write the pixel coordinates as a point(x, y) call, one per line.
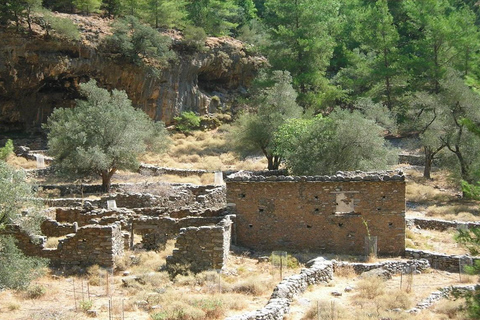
point(399, 67)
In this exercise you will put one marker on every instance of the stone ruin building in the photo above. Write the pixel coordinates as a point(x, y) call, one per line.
point(319, 214)
point(332, 214)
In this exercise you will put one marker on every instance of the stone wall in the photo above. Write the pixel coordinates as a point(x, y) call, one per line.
point(90, 245)
point(318, 271)
point(322, 213)
point(201, 248)
point(53, 228)
point(450, 263)
point(151, 170)
point(440, 225)
point(393, 267)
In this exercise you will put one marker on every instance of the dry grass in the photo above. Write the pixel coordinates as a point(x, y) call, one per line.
point(459, 211)
point(370, 288)
point(433, 240)
point(346, 271)
point(202, 150)
point(20, 162)
point(52, 242)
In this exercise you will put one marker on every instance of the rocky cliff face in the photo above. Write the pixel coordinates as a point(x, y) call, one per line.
point(37, 76)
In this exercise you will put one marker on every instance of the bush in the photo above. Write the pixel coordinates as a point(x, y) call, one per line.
point(194, 37)
point(86, 305)
point(16, 269)
point(35, 291)
point(136, 41)
point(470, 191)
point(187, 121)
point(7, 150)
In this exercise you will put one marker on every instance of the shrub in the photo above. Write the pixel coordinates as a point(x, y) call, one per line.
point(187, 121)
point(470, 191)
point(371, 287)
point(136, 41)
point(194, 37)
point(35, 291)
point(7, 150)
point(86, 305)
point(16, 269)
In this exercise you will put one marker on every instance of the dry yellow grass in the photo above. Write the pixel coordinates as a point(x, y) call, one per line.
point(202, 150)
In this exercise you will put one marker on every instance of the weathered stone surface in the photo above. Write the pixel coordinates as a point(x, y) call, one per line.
point(329, 216)
point(37, 76)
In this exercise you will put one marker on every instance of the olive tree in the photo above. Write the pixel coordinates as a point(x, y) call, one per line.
point(254, 131)
point(102, 134)
point(342, 141)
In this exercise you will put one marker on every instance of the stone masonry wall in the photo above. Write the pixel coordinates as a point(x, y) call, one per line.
point(442, 261)
point(440, 225)
point(90, 245)
point(323, 214)
point(318, 271)
point(202, 248)
point(52, 228)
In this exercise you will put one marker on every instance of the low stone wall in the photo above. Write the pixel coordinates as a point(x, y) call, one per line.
point(394, 267)
point(440, 225)
point(412, 159)
point(450, 263)
point(318, 271)
point(52, 228)
point(151, 170)
point(201, 248)
point(90, 245)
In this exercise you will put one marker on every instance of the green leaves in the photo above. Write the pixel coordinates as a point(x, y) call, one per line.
point(101, 134)
point(16, 269)
point(137, 42)
point(343, 141)
point(254, 132)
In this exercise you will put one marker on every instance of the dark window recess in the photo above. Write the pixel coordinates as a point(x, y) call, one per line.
point(250, 225)
point(340, 224)
point(309, 226)
point(261, 209)
point(242, 195)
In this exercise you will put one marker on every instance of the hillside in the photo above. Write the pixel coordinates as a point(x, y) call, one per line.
point(39, 74)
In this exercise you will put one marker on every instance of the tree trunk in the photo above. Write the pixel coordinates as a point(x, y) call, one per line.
point(107, 179)
point(273, 162)
point(428, 163)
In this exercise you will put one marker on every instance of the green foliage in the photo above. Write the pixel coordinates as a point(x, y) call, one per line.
point(16, 269)
point(60, 27)
point(253, 132)
point(165, 13)
point(6, 150)
point(216, 17)
point(343, 141)
point(137, 42)
point(470, 191)
point(88, 6)
point(86, 305)
point(194, 37)
point(287, 261)
point(302, 42)
point(187, 121)
point(102, 134)
point(16, 193)
point(471, 239)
